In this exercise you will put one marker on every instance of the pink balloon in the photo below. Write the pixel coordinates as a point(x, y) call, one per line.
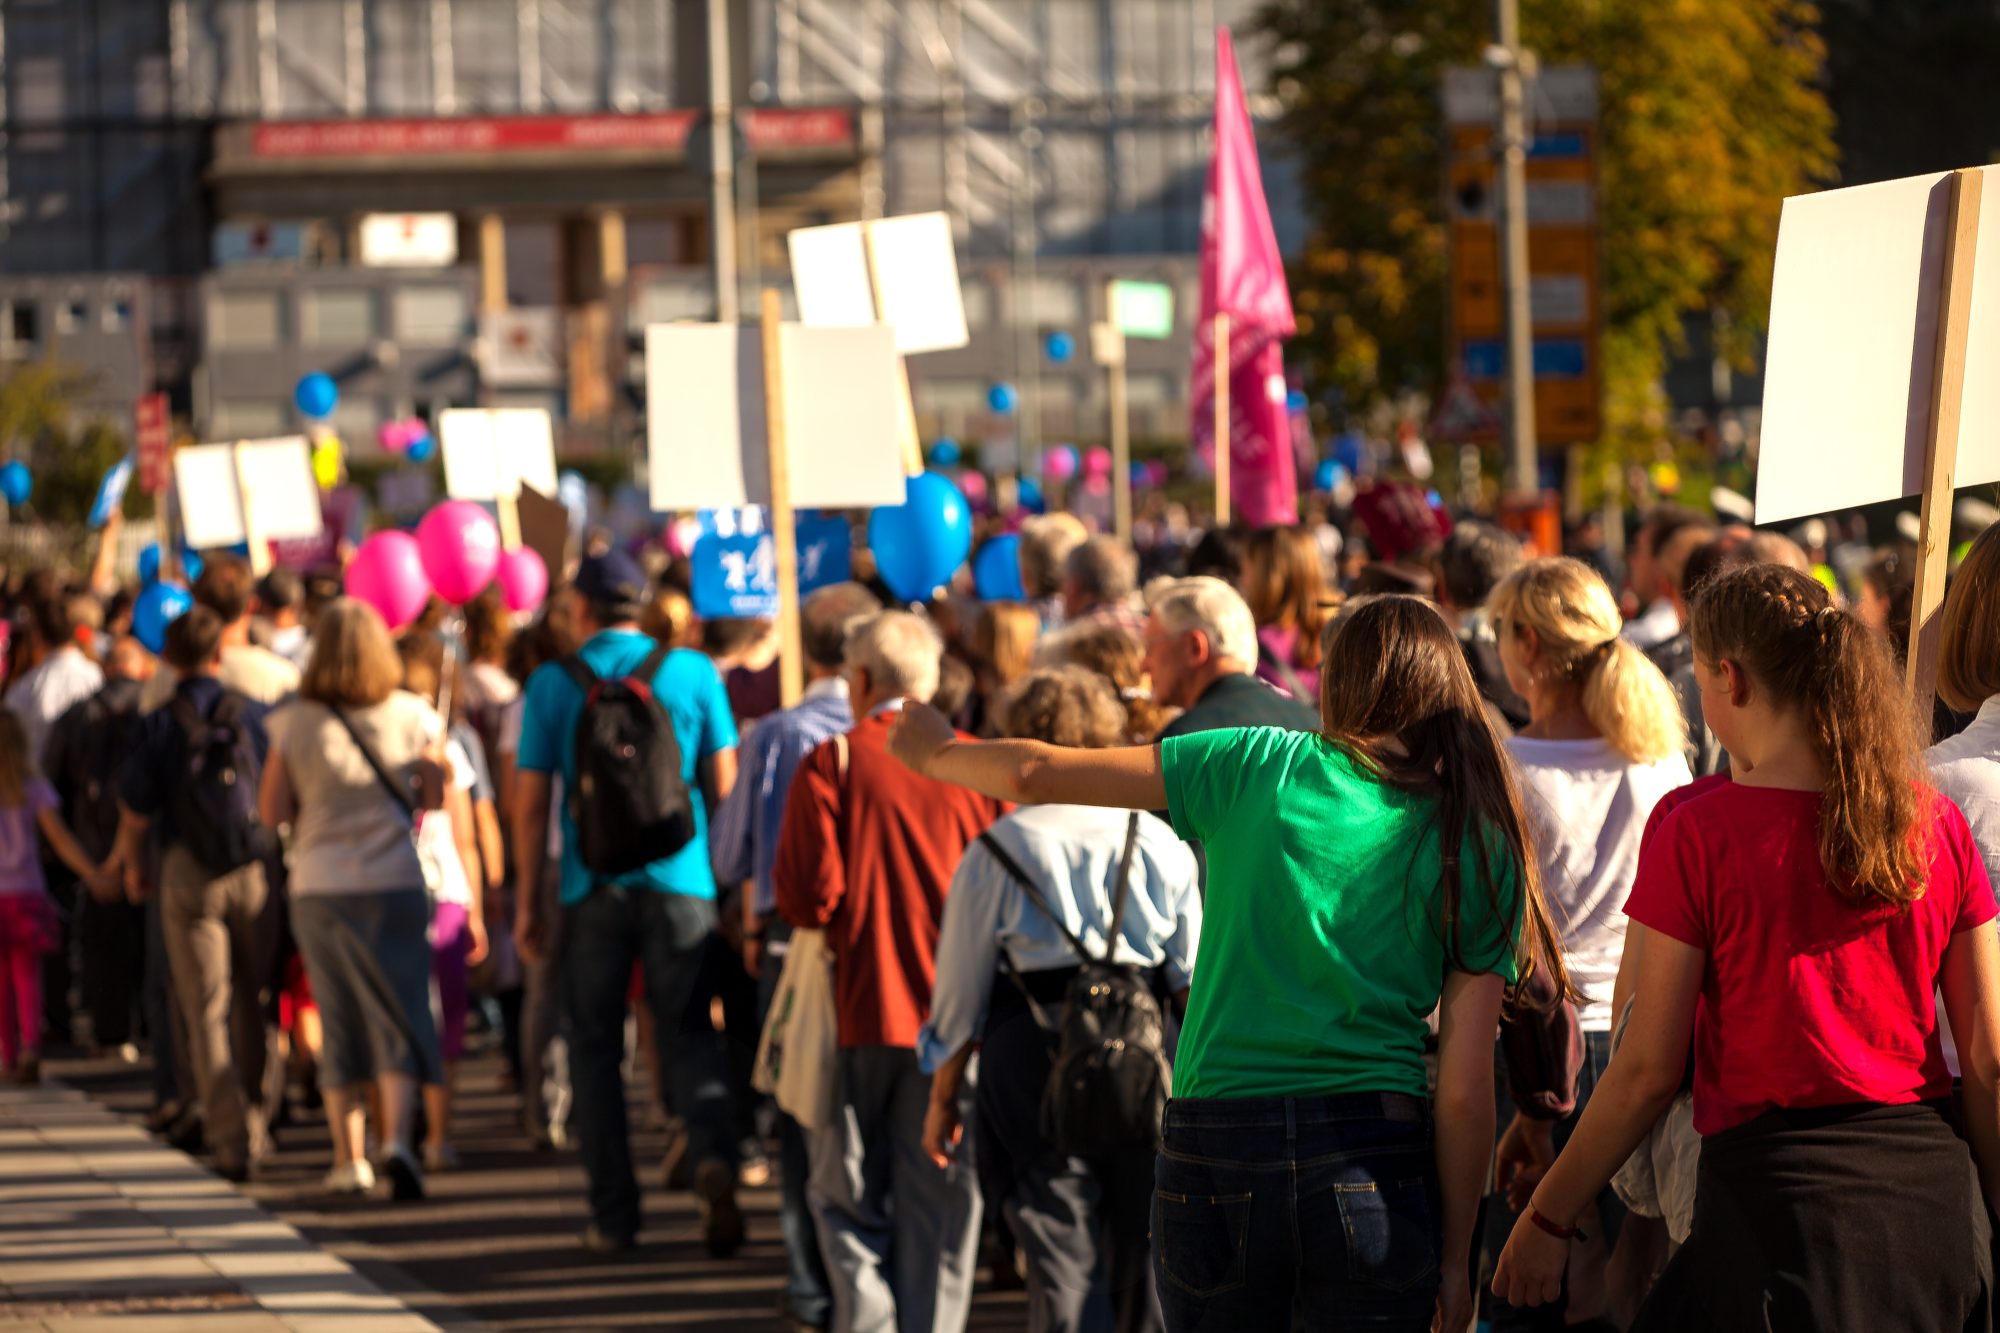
point(973, 486)
point(387, 572)
point(461, 549)
point(524, 579)
point(680, 536)
point(1097, 461)
point(1059, 462)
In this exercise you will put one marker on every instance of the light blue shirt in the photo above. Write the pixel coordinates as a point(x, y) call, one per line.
point(692, 693)
point(744, 841)
point(1071, 852)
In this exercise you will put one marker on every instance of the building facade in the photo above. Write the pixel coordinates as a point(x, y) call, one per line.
point(554, 154)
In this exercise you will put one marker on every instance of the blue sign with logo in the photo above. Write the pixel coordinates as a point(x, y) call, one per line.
point(737, 575)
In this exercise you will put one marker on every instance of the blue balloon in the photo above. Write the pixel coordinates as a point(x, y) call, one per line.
point(191, 564)
point(996, 571)
point(316, 395)
point(945, 453)
point(1003, 399)
point(1029, 495)
point(1296, 401)
point(921, 542)
point(1328, 475)
point(1060, 346)
point(16, 482)
point(149, 564)
point(422, 449)
point(159, 606)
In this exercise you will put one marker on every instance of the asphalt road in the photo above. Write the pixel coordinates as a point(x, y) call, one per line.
point(495, 1243)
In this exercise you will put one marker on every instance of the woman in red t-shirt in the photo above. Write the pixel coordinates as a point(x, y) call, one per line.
point(1798, 920)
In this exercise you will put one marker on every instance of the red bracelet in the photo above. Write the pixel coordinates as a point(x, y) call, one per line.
point(1560, 1233)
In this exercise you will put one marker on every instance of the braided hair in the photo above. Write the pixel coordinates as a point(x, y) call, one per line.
point(1783, 629)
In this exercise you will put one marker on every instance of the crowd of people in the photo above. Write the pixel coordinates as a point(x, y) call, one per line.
point(1128, 940)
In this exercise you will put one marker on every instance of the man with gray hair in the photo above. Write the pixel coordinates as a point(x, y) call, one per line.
point(743, 843)
point(867, 853)
point(1099, 580)
point(1201, 651)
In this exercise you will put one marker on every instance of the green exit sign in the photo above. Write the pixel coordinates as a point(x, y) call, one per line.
point(1143, 309)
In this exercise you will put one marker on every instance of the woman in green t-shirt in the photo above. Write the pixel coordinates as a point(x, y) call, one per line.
point(1304, 1163)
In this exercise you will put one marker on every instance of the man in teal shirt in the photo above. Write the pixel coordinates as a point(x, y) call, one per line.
point(659, 916)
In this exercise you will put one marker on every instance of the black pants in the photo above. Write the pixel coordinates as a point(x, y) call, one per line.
point(111, 939)
point(666, 934)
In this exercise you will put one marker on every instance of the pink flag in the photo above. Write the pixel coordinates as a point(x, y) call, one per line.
point(1243, 277)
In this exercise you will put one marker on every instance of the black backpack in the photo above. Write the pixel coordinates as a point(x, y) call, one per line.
point(629, 805)
point(214, 799)
point(1108, 1086)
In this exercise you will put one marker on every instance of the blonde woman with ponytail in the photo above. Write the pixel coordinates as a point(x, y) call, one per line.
point(1604, 742)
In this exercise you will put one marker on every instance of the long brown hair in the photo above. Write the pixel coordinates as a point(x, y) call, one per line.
point(1397, 695)
point(1969, 655)
point(1284, 587)
point(15, 765)
point(1782, 628)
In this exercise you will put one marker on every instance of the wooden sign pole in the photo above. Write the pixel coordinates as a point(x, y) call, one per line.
point(253, 535)
point(1112, 353)
point(784, 533)
point(1941, 445)
point(1222, 433)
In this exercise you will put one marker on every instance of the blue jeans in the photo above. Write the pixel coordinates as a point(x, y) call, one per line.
point(667, 935)
point(1326, 1208)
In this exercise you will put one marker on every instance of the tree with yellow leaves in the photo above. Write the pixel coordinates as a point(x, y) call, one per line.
point(1712, 111)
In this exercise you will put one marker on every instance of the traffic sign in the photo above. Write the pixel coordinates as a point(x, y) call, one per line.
point(153, 438)
point(1564, 288)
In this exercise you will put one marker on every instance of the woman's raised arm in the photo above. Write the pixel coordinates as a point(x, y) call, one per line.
point(1029, 772)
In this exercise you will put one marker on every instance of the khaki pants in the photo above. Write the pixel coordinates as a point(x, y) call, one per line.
point(222, 947)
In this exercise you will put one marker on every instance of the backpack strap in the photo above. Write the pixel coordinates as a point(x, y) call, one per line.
point(649, 668)
point(1034, 894)
point(1124, 893)
point(403, 799)
point(579, 671)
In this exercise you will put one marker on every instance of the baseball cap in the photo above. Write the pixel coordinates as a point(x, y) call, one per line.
point(611, 578)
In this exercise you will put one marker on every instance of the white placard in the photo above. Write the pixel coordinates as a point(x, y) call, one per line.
point(490, 453)
point(830, 276)
point(900, 271)
point(705, 416)
point(278, 474)
point(409, 240)
point(1855, 304)
point(916, 282)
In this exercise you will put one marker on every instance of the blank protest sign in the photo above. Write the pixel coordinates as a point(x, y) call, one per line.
point(278, 474)
point(490, 453)
point(900, 271)
point(1855, 305)
point(705, 416)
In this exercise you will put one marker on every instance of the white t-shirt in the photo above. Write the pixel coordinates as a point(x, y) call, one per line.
point(44, 693)
point(350, 834)
point(1966, 768)
point(1589, 804)
point(435, 843)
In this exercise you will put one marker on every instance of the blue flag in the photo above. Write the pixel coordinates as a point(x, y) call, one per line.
point(111, 491)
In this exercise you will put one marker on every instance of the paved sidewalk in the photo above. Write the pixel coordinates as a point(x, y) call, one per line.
point(103, 1228)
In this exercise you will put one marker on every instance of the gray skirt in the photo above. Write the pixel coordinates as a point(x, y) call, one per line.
point(368, 956)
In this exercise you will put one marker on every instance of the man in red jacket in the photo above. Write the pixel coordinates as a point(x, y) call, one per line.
point(868, 850)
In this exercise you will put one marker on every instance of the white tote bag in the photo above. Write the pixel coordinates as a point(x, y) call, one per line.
point(796, 1054)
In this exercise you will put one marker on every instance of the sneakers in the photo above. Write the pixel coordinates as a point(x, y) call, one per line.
point(351, 1178)
point(440, 1157)
point(405, 1177)
point(721, 1219)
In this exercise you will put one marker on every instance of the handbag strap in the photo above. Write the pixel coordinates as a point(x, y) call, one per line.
point(403, 800)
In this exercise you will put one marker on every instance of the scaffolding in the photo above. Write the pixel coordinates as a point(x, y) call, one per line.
point(1082, 120)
